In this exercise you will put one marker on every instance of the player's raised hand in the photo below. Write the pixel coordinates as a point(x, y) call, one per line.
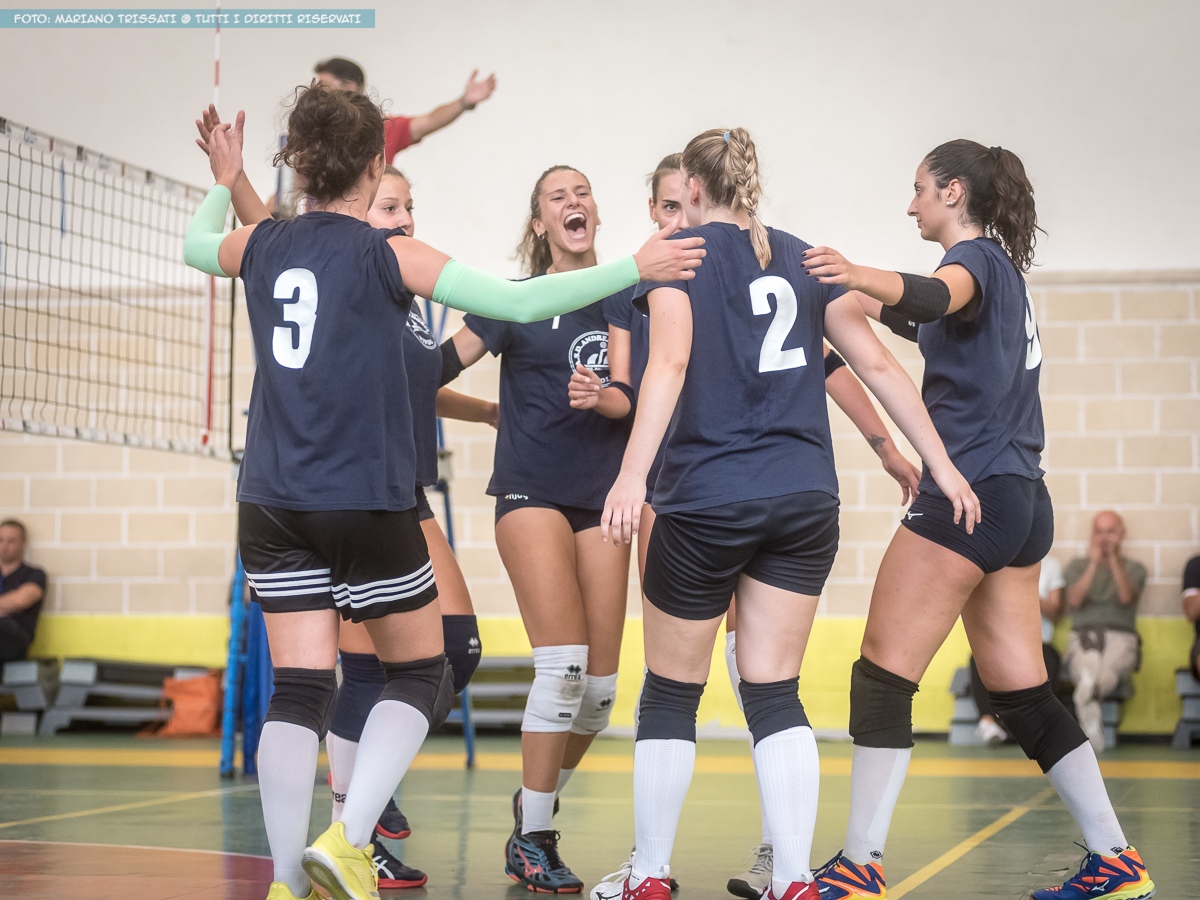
point(660, 259)
point(829, 267)
point(623, 509)
point(225, 152)
point(477, 89)
point(583, 390)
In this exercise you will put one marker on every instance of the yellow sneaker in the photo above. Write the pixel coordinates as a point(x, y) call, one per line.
point(339, 867)
point(280, 891)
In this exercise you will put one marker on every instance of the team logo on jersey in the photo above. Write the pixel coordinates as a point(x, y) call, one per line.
point(590, 350)
point(420, 330)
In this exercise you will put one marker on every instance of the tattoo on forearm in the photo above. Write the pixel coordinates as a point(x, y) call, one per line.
point(876, 442)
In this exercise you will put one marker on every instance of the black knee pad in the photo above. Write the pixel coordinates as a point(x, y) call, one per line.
point(463, 649)
point(362, 680)
point(668, 709)
point(302, 697)
point(1039, 722)
point(425, 684)
point(880, 707)
point(772, 707)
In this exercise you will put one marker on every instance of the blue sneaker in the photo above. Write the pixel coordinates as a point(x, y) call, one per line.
point(843, 879)
point(1120, 877)
point(533, 861)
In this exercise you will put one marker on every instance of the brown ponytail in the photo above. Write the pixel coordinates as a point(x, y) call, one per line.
point(999, 194)
point(533, 251)
point(333, 136)
point(727, 165)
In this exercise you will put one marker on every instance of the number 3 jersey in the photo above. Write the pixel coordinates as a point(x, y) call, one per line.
point(330, 424)
point(751, 421)
point(981, 371)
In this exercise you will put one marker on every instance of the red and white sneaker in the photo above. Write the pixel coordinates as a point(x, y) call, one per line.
point(797, 890)
point(649, 889)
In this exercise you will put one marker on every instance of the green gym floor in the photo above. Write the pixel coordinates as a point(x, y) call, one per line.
point(108, 816)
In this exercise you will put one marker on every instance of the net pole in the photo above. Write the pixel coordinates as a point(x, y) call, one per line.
point(212, 281)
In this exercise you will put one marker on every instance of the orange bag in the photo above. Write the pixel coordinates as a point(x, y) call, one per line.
point(197, 706)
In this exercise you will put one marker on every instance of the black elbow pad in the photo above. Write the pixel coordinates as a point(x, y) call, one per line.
point(924, 299)
point(451, 364)
point(834, 361)
point(898, 324)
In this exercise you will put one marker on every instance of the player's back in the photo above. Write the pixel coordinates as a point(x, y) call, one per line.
point(751, 421)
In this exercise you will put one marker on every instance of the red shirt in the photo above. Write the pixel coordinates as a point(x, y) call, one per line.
point(397, 135)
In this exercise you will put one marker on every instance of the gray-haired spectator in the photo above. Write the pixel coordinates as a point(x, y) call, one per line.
point(21, 593)
point(1102, 594)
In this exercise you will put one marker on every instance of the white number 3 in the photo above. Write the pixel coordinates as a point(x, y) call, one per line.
point(1033, 345)
point(772, 357)
point(297, 288)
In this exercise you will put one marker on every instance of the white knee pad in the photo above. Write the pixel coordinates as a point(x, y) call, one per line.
point(559, 682)
point(731, 664)
point(596, 708)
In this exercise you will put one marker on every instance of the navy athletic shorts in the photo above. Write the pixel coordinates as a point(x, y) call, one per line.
point(1017, 527)
point(696, 556)
point(363, 563)
point(578, 517)
point(424, 510)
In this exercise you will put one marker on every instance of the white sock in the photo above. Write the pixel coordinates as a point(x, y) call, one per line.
point(537, 809)
point(564, 775)
point(390, 740)
point(1080, 785)
point(789, 776)
point(341, 753)
point(762, 805)
point(287, 768)
point(731, 664)
point(876, 777)
point(662, 771)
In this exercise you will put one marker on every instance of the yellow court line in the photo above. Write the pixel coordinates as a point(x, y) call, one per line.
point(141, 804)
point(608, 763)
point(954, 854)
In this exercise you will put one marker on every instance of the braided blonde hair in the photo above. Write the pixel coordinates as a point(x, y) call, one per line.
point(727, 165)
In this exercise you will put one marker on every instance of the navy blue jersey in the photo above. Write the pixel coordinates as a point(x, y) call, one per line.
point(330, 425)
point(751, 421)
point(545, 449)
point(982, 365)
point(619, 311)
point(423, 365)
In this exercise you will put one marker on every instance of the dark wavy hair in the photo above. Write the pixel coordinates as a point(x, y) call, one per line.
point(332, 136)
point(999, 194)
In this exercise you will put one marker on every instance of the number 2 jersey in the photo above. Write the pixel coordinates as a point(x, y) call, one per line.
point(751, 421)
point(981, 372)
point(330, 424)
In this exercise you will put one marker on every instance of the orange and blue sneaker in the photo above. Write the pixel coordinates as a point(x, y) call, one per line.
point(841, 877)
point(533, 861)
point(1120, 877)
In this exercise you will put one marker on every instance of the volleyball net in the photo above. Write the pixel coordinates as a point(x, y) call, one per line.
point(105, 334)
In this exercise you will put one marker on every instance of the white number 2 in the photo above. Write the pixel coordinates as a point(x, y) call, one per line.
point(1033, 349)
point(772, 357)
point(297, 288)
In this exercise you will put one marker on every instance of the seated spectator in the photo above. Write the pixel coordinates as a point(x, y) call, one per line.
point(1050, 590)
point(1102, 595)
point(21, 593)
point(1191, 607)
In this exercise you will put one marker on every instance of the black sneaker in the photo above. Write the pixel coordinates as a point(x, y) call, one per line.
point(392, 823)
point(533, 861)
point(394, 874)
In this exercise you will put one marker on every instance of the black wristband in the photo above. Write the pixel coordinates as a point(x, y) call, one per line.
point(833, 362)
point(628, 392)
point(451, 364)
point(924, 299)
point(898, 324)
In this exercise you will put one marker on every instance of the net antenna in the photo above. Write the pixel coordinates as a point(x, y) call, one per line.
point(105, 334)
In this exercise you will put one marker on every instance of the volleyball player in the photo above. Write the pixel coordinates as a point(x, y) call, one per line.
point(974, 321)
point(746, 498)
point(553, 466)
point(327, 518)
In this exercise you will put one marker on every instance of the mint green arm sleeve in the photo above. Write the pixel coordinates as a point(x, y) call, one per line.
point(204, 235)
point(477, 292)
